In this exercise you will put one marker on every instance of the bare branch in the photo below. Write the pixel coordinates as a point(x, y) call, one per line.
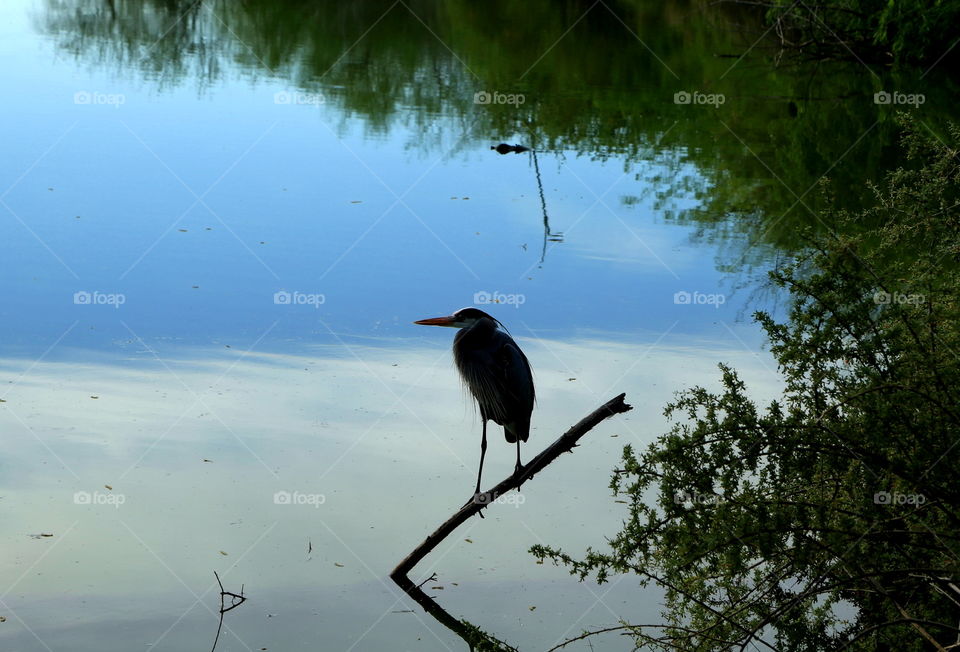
point(564, 444)
point(235, 601)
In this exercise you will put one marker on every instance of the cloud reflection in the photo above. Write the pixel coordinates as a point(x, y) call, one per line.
point(199, 444)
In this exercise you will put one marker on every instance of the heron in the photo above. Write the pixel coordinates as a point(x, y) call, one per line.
point(496, 372)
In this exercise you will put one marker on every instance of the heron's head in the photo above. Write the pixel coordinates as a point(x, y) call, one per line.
point(463, 318)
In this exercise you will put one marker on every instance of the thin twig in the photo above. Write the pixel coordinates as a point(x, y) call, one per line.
point(235, 601)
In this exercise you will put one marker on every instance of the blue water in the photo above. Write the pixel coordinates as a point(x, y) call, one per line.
point(208, 299)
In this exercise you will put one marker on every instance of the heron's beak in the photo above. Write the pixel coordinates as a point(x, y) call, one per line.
point(437, 321)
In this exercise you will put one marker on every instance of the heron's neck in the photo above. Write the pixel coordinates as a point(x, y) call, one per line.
point(480, 330)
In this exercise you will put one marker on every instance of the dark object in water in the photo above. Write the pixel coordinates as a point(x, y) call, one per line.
point(503, 148)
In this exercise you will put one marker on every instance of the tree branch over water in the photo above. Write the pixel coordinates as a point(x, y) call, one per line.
point(564, 444)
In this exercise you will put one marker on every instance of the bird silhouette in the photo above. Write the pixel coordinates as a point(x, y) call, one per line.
point(495, 371)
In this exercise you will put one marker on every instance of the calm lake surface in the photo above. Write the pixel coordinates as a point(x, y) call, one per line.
point(220, 221)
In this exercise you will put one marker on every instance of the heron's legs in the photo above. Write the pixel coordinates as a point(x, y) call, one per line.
point(516, 469)
point(483, 451)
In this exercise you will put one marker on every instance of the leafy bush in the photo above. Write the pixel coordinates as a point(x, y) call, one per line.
point(828, 519)
point(875, 30)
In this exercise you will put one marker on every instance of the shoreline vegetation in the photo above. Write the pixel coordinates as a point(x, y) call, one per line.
point(828, 518)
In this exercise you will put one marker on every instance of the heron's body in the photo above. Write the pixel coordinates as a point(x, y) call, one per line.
point(495, 371)
point(504, 391)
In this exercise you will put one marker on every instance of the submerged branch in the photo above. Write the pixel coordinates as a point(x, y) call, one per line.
point(235, 601)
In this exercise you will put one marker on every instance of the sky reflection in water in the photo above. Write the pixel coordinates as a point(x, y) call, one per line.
point(200, 396)
point(381, 435)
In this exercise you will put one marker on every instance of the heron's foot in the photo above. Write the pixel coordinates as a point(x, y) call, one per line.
point(517, 470)
point(478, 498)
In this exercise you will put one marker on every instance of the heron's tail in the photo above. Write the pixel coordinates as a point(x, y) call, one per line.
point(516, 430)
